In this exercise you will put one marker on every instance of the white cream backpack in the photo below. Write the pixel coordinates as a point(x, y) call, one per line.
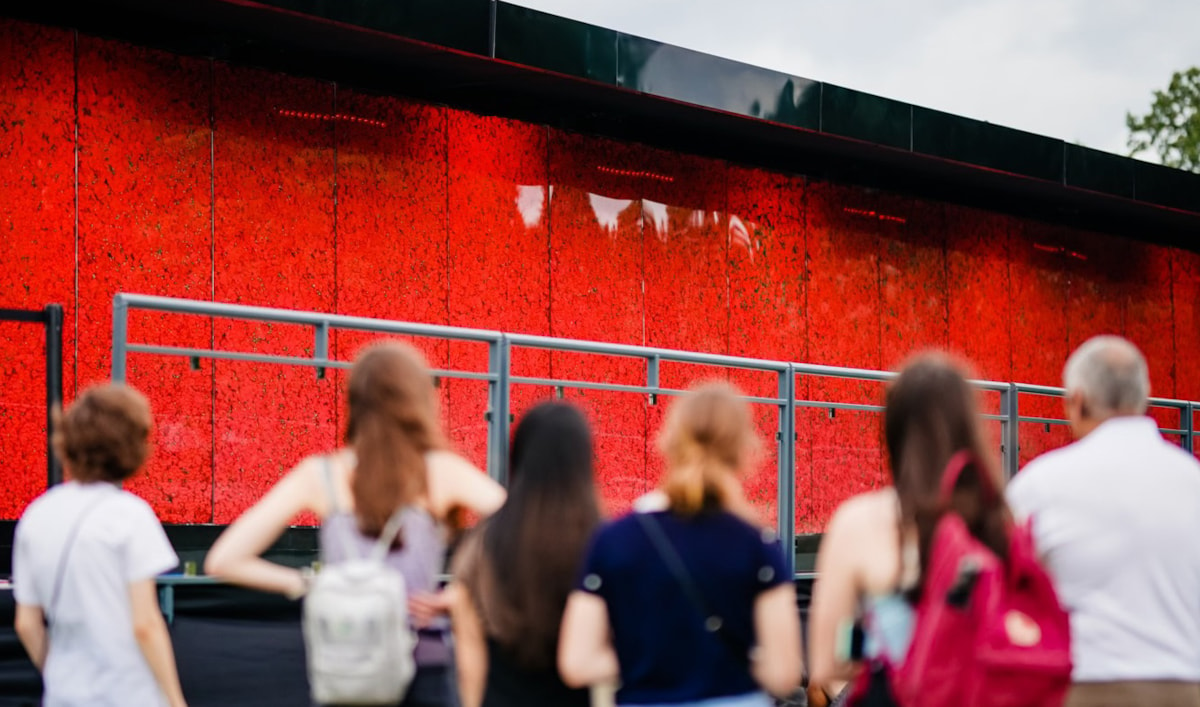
point(356, 627)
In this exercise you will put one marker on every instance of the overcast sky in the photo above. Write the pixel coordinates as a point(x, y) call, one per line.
point(1065, 68)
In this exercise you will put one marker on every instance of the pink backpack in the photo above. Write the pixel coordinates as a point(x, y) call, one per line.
point(988, 632)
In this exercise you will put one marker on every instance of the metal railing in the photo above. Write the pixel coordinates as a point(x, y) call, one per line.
point(51, 319)
point(500, 378)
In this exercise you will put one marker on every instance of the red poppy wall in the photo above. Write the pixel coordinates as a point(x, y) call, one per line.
point(126, 169)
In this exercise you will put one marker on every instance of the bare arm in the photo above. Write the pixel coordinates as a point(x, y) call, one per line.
point(455, 482)
point(585, 653)
point(778, 664)
point(470, 648)
point(31, 629)
point(834, 599)
point(235, 557)
point(150, 630)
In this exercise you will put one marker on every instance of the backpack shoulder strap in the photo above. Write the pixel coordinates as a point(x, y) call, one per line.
point(60, 575)
point(348, 547)
point(387, 536)
point(954, 469)
point(712, 622)
point(330, 484)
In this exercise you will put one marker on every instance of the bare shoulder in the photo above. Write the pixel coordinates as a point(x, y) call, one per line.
point(445, 464)
point(454, 482)
point(306, 484)
point(866, 509)
point(310, 470)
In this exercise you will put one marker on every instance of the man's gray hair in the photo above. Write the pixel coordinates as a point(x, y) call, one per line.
point(1112, 376)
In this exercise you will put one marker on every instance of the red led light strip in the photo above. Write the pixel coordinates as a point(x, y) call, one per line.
point(636, 173)
point(1059, 250)
point(875, 215)
point(307, 115)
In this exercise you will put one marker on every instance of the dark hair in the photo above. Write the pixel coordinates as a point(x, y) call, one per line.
point(392, 423)
point(931, 415)
point(104, 435)
point(532, 548)
point(709, 432)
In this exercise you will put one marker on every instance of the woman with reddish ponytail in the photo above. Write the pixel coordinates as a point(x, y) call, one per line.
point(395, 460)
point(690, 603)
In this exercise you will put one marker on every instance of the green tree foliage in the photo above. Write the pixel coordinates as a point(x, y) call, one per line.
point(1172, 127)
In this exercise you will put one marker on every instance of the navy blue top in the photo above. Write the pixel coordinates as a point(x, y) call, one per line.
point(665, 653)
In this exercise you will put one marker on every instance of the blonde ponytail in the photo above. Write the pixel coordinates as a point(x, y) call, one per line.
point(708, 436)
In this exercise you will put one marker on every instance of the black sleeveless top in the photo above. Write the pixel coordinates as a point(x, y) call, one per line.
point(509, 685)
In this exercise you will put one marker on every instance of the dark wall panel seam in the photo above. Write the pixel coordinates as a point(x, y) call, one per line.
point(725, 168)
point(1008, 258)
point(212, 264)
point(548, 211)
point(75, 133)
point(333, 347)
point(1174, 327)
point(945, 231)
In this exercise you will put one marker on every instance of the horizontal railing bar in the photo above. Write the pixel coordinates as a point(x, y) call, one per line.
point(462, 375)
point(1042, 420)
point(992, 386)
point(863, 374)
point(241, 356)
point(245, 357)
point(384, 326)
point(288, 316)
point(630, 351)
point(1038, 389)
point(866, 374)
point(1168, 403)
point(173, 580)
point(623, 388)
point(1059, 392)
point(1169, 431)
point(859, 407)
point(989, 416)
point(23, 316)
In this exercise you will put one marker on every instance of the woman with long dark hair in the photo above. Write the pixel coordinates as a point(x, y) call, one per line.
point(513, 575)
point(395, 460)
point(690, 604)
point(874, 554)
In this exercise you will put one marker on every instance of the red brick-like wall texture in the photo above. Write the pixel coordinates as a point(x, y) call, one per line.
point(126, 169)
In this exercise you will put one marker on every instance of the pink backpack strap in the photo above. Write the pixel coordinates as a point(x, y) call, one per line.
point(954, 469)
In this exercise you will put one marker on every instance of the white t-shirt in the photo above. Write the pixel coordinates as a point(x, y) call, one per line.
point(93, 657)
point(1116, 517)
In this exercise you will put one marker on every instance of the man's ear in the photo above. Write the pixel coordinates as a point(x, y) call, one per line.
point(1075, 405)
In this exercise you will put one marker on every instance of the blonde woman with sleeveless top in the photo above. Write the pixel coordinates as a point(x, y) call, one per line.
point(395, 458)
point(690, 603)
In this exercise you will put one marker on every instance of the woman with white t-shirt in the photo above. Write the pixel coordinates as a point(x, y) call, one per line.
point(85, 558)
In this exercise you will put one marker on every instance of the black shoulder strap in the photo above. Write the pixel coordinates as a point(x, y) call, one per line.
point(712, 622)
point(52, 607)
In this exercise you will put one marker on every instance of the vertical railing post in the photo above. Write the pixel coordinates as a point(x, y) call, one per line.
point(54, 385)
point(652, 368)
point(499, 365)
point(120, 333)
point(1187, 418)
point(1009, 435)
point(321, 347)
point(786, 455)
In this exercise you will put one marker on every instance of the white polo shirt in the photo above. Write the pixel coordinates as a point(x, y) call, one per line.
point(93, 658)
point(1116, 516)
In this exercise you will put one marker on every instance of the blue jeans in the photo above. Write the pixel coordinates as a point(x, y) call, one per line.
point(752, 699)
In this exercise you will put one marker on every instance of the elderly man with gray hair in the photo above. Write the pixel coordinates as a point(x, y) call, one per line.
point(1116, 518)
